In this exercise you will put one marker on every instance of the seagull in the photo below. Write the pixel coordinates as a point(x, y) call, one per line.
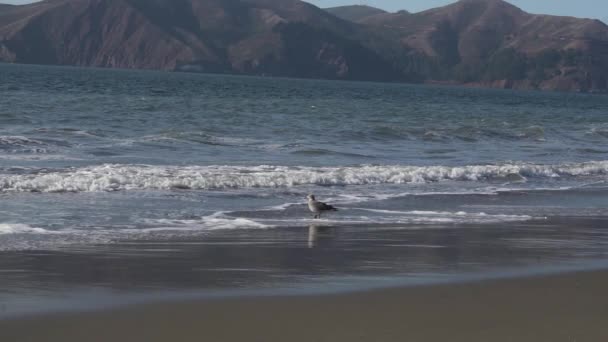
point(318, 207)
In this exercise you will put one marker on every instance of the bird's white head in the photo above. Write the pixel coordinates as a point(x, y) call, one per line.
point(310, 197)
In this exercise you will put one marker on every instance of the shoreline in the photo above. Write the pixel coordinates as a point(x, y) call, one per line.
point(332, 262)
point(562, 307)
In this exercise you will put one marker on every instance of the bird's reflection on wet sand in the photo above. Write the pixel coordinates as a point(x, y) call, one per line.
point(316, 234)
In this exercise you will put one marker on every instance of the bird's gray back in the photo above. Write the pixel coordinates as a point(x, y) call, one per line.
point(315, 206)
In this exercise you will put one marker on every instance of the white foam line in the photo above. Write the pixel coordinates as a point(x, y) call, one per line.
point(7, 228)
point(216, 221)
point(441, 213)
point(283, 206)
point(145, 177)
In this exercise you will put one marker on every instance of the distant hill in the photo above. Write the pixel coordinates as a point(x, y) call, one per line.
point(493, 43)
point(286, 37)
point(472, 42)
point(354, 13)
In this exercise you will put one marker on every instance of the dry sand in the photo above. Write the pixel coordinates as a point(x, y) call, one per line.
point(571, 307)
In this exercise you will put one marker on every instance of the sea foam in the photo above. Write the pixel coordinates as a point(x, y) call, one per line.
point(20, 229)
point(145, 177)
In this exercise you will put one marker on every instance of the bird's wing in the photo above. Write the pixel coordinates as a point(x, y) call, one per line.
point(325, 206)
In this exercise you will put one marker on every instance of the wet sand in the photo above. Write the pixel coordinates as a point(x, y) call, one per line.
point(568, 307)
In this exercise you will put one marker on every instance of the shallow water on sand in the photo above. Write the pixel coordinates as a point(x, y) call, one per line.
point(318, 259)
point(127, 180)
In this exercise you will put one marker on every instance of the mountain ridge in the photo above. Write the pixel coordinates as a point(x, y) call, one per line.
point(233, 36)
point(494, 43)
point(471, 42)
point(354, 13)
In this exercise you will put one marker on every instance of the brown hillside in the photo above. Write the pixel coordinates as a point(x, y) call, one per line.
point(286, 37)
point(472, 35)
point(475, 42)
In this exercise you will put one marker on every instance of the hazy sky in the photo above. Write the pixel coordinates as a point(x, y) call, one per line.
point(577, 8)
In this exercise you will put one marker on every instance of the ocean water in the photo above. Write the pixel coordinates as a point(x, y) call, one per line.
point(92, 159)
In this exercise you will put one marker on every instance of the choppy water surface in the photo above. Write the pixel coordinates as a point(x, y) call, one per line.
point(91, 158)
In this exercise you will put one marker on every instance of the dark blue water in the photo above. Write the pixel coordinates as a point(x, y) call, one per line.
point(89, 156)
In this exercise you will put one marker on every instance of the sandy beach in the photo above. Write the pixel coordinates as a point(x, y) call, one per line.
point(569, 307)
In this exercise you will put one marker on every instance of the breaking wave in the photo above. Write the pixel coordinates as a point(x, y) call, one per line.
point(145, 177)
